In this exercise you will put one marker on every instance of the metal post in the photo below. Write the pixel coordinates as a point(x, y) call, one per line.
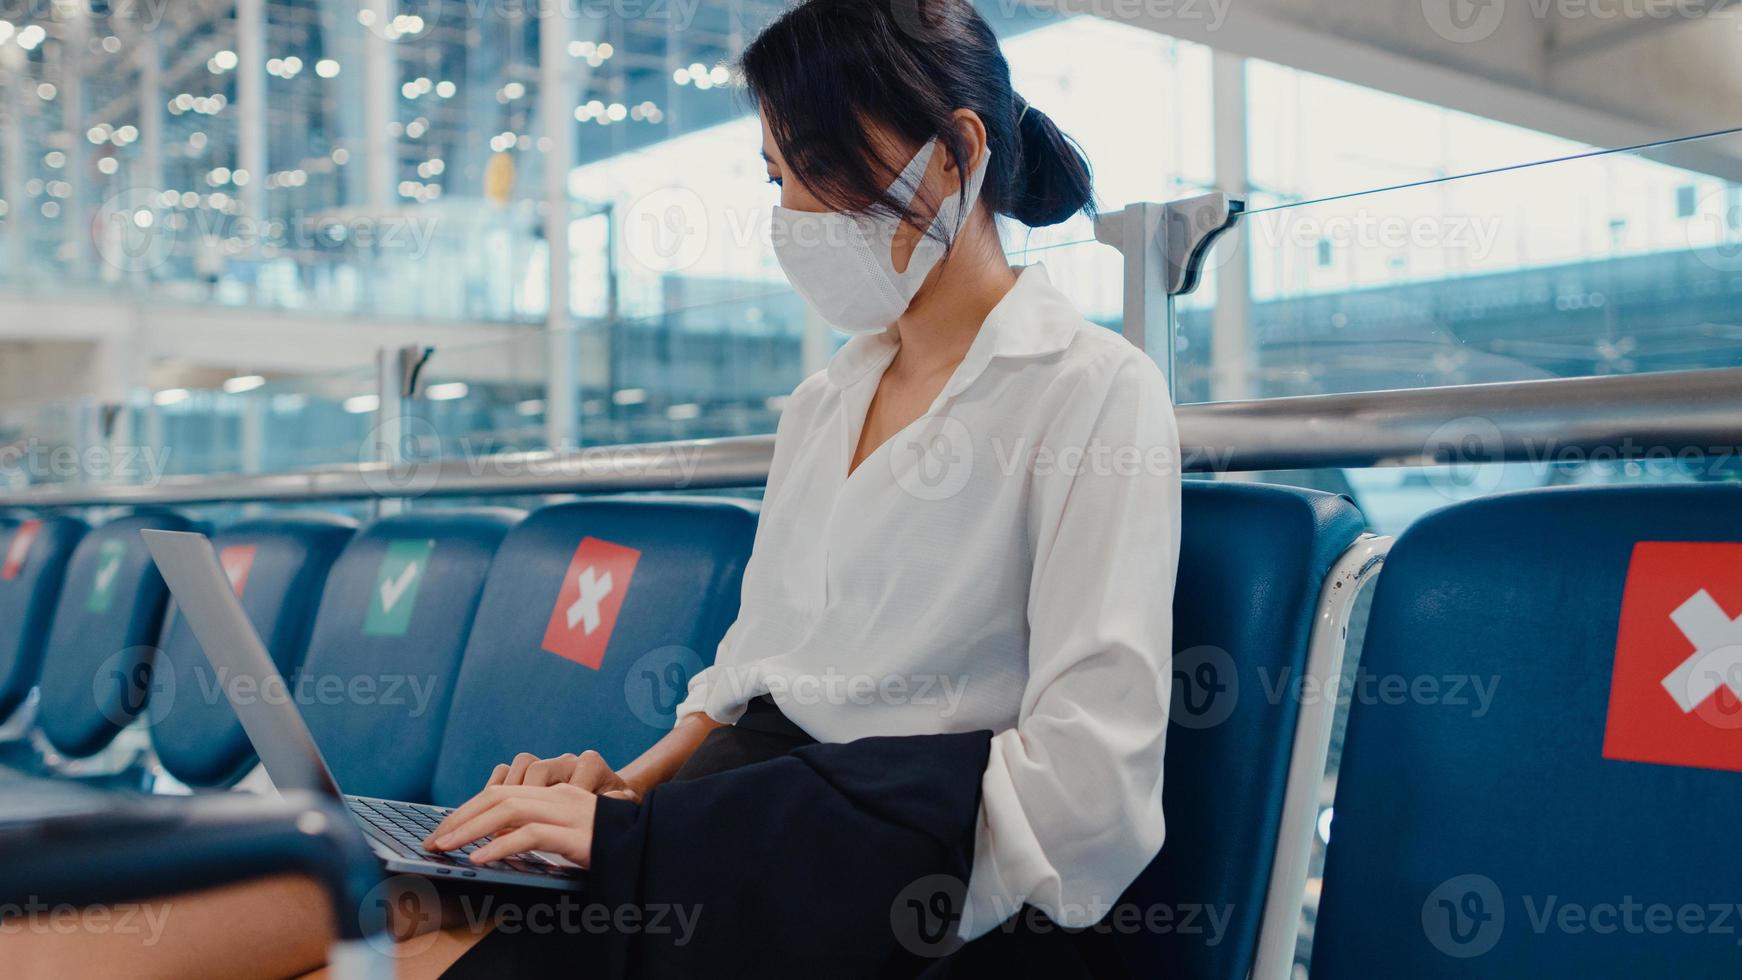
point(1132, 230)
point(75, 221)
point(252, 446)
point(1326, 650)
point(1165, 248)
point(251, 110)
point(12, 169)
point(394, 370)
point(149, 175)
point(556, 100)
point(379, 91)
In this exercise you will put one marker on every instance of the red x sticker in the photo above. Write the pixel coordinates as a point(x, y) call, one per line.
point(592, 594)
point(1675, 698)
point(238, 561)
point(18, 549)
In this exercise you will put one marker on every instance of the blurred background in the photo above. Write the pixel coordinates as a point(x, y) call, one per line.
point(216, 214)
point(230, 229)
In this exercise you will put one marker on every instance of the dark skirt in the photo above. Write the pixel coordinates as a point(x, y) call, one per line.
point(1019, 949)
point(762, 733)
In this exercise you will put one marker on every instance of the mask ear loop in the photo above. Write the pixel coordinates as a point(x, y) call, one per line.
point(905, 189)
point(966, 196)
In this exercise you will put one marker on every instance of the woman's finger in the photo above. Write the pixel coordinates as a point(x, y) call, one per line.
point(592, 773)
point(517, 769)
point(505, 815)
point(488, 797)
point(465, 811)
point(573, 843)
point(497, 776)
point(547, 771)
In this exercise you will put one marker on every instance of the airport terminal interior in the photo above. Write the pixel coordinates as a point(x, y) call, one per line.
point(433, 313)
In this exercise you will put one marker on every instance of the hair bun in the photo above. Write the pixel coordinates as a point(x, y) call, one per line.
point(1053, 181)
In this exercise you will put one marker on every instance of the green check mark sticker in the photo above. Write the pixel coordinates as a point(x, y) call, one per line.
point(396, 587)
point(108, 570)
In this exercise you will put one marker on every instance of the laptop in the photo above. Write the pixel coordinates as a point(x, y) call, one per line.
point(275, 726)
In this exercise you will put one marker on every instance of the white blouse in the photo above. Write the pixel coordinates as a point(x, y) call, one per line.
point(1006, 562)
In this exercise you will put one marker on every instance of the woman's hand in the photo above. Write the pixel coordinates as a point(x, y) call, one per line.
point(557, 819)
point(587, 771)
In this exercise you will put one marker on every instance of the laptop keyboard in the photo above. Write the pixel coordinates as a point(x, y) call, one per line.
point(408, 824)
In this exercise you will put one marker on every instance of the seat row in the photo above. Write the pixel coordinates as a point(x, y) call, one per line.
point(429, 646)
point(1539, 778)
point(1526, 788)
point(422, 650)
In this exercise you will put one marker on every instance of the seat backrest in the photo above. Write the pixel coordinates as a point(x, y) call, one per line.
point(595, 616)
point(1540, 804)
point(33, 561)
point(97, 666)
point(277, 566)
point(1252, 560)
point(387, 642)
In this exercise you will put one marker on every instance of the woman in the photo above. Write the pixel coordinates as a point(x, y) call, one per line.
point(978, 491)
point(971, 520)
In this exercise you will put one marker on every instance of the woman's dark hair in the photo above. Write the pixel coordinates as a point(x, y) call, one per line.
point(827, 68)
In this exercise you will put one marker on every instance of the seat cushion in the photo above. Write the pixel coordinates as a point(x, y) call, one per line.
point(595, 616)
point(97, 667)
point(278, 566)
point(1252, 560)
point(393, 623)
point(1476, 811)
point(33, 560)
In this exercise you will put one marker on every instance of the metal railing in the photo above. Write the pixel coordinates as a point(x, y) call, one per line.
point(1684, 414)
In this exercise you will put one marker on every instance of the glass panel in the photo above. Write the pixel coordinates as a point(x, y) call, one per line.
point(1605, 263)
point(1090, 274)
point(1074, 69)
point(477, 399)
point(250, 425)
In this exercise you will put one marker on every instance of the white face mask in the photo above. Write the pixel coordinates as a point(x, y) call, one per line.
point(842, 264)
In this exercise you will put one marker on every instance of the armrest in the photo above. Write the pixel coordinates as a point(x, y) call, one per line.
point(151, 846)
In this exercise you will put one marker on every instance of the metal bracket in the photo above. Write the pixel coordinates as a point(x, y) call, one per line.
point(1192, 227)
point(410, 360)
point(1165, 248)
point(1183, 231)
point(396, 371)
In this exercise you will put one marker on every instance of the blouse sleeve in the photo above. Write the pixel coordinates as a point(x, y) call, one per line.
point(1071, 799)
